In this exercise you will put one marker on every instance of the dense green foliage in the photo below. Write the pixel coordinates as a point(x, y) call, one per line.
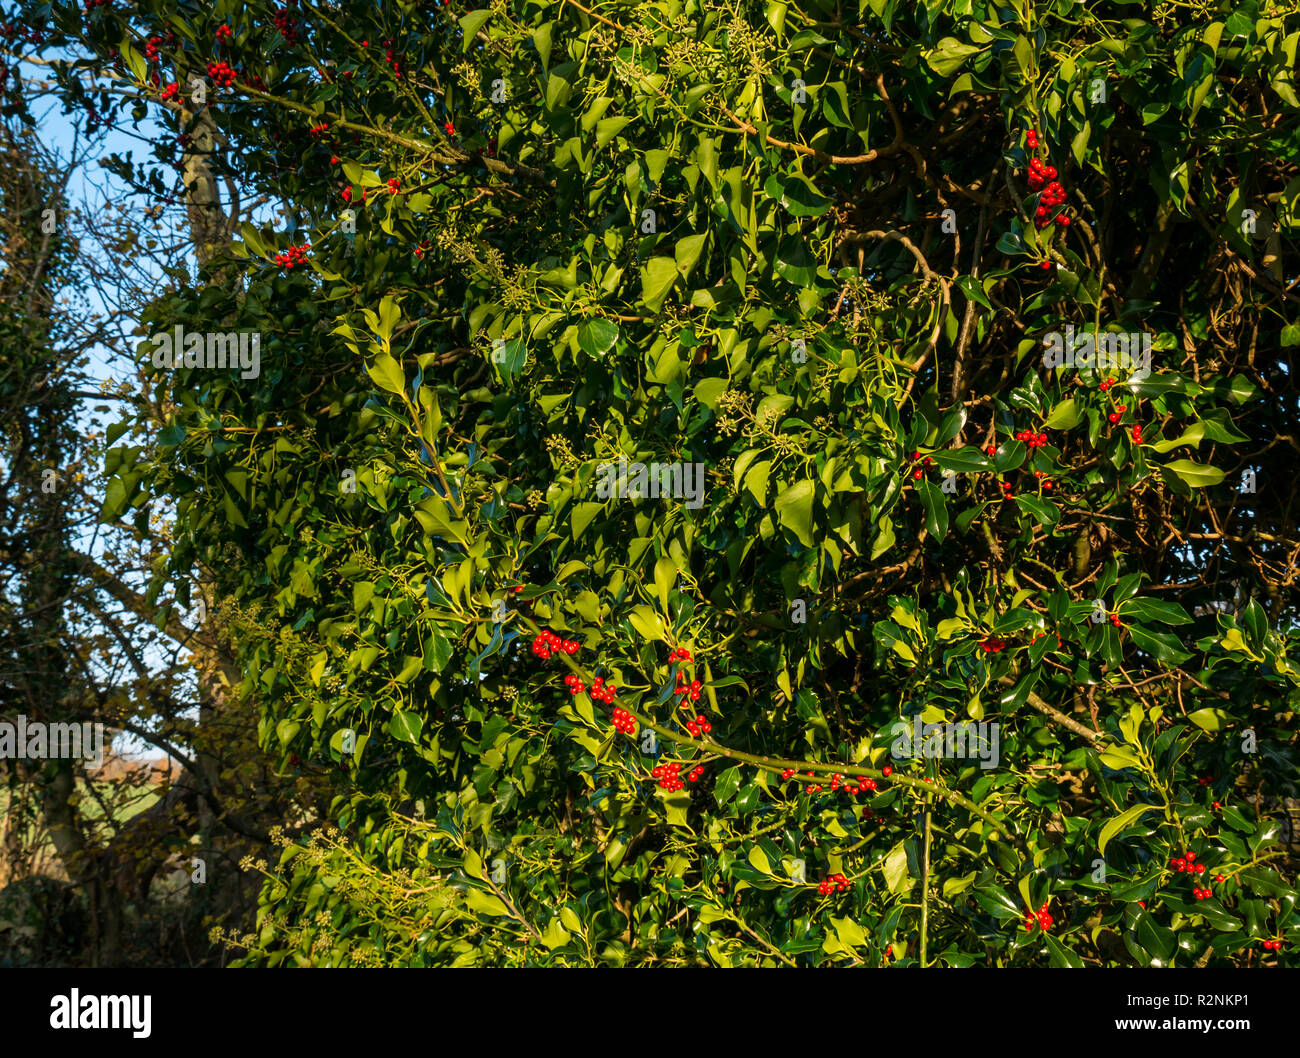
point(712, 233)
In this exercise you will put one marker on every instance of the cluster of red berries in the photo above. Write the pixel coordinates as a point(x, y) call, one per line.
point(679, 654)
point(317, 130)
point(1201, 894)
point(1052, 196)
point(853, 788)
point(449, 128)
point(1114, 619)
point(992, 646)
point(172, 91)
point(919, 473)
point(347, 194)
point(1137, 434)
point(151, 48)
point(836, 883)
point(1033, 440)
point(1041, 176)
point(602, 691)
point(286, 25)
point(1186, 864)
point(1272, 945)
point(624, 722)
point(295, 255)
point(688, 690)
point(394, 186)
point(1107, 384)
point(699, 726)
point(696, 773)
point(1044, 919)
point(547, 641)
point(224, 33)
point(222, 74)
point(1118, 413)
point(392, 59)
point(667, 774)
point(90, 5)
point(837, 781)
point(422, 248)
point(576, 686)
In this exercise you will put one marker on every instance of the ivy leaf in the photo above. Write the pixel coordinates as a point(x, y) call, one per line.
point(948, 57)
point(687, 253)
point(597, 336)
point(1197, 475)
point(795, 264)
point(406, 726)
point(794, 510)
point(894, 869)
point(657, 279)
